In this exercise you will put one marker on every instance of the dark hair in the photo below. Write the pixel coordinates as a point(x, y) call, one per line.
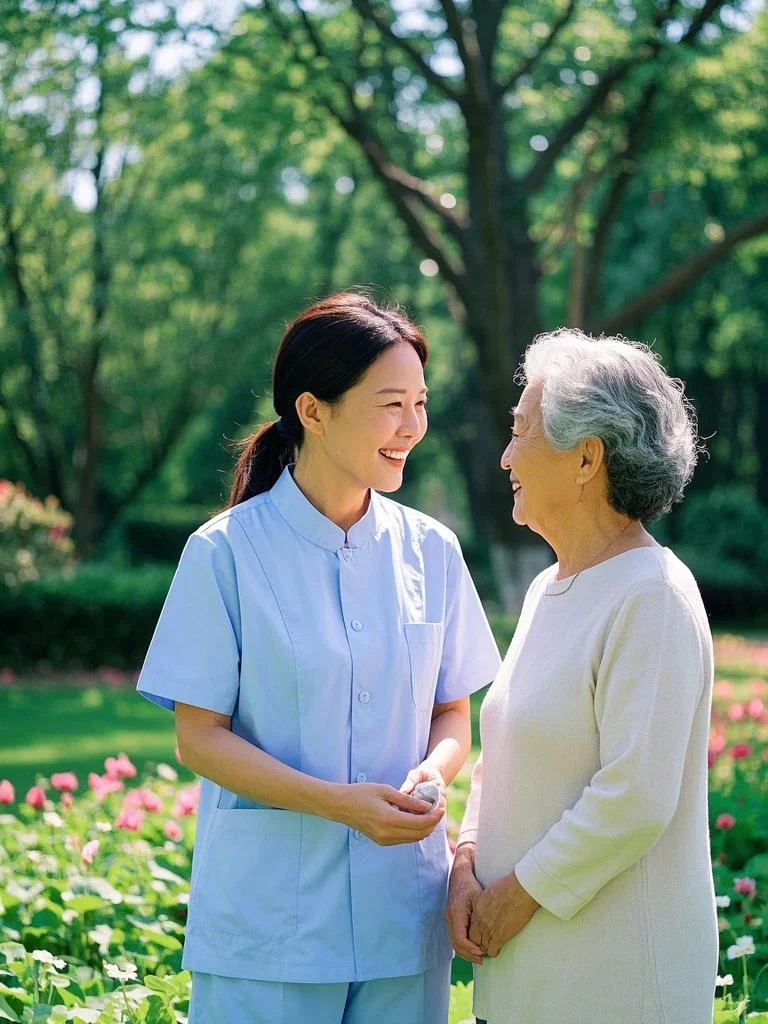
point(326, 350)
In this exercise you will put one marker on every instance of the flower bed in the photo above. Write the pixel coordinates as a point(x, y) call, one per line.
point(94, 877)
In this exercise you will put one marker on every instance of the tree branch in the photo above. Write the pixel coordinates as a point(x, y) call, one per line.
point(367, 10)
point(684, 275)
point(530, 63)
point(635, 130)
point(402, 186)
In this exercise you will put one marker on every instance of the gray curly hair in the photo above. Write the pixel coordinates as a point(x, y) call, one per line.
point(617, 390)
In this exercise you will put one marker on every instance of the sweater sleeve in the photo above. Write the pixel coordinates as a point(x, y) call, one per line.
point(468, 831)
point(649, 682)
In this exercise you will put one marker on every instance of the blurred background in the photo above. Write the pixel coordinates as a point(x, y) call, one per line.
point(178, 180)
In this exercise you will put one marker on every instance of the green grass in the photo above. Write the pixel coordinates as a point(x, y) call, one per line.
point(47, 728)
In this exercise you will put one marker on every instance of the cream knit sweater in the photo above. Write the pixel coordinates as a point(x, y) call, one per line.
point(592, 786)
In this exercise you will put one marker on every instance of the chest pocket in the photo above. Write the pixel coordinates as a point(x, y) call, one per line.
point(423, 640)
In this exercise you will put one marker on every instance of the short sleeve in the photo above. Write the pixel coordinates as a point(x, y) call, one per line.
point(194, 655)
point(470, 656)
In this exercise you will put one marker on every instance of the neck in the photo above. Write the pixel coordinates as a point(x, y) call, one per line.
point(592, 539)
point(341, 501)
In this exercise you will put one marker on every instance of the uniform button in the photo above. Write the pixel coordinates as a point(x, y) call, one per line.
point(363, 696)
point(358, 834)
point(362, 777)
point(356, 625)
point(346, 554)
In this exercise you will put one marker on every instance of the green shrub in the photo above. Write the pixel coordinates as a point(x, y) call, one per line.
point(34, 535)
point(724, 539)
point(93, 616)
point(158, 533)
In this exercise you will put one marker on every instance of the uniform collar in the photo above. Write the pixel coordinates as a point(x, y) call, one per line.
point(302, 515)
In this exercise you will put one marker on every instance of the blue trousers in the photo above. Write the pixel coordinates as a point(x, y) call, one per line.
point(415, 999)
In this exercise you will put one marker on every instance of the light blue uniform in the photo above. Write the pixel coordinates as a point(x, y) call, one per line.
point(329, 652)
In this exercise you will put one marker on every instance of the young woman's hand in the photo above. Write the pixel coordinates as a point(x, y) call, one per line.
point(425, 772)
point(464, 890)
point(381, 813)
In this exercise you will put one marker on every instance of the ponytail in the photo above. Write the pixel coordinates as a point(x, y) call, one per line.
point(263, 456)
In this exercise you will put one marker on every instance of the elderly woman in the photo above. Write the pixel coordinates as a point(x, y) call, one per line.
point(582, 885)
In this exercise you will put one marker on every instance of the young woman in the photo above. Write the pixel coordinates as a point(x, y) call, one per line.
point(319, 644)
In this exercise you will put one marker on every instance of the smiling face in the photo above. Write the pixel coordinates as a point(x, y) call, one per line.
point(367, 434)
point(543, 479)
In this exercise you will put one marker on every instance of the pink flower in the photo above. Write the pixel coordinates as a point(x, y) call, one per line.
point(745, 886)
point(119, 767)
point(717, 742)
point(755, 709)
point(186, 802)
point(6, 676)
point(736, 712)
point(723, 689)
point(36, 798)
point(66, 801)
point(103, 785)
point(725, 821)
point(7, 792)
point(711, 758)
point(130, 821)
point(89, 851)
point(740, 750)
point(150, 801)
point(172, 830)
point(757, 687)
point(64, 782)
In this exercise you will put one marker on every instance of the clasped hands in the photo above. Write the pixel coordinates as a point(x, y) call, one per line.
point(482, 920)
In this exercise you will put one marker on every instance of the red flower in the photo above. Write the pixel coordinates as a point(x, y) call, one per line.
point(740, 750)
point(7, 792)
point(725, 821)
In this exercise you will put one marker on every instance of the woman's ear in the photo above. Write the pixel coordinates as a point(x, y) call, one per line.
point(592, 458)
point(312, 413)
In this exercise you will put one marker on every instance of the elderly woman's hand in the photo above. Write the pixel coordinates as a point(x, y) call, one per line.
point(463, 891)
point(499, 913)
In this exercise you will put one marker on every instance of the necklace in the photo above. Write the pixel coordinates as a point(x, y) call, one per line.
point(598, 556)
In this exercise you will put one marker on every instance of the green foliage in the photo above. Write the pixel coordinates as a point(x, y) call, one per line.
point(724, 540)
point(157, 533)
point(34, 536)
point(95, 615)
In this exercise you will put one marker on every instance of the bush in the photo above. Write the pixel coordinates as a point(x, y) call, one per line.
point(95, 615)
point(724, 540)
point(158, 533)
point(34, 535)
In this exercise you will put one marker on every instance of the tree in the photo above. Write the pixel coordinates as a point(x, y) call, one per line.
point(131, 213)
point(506, 137)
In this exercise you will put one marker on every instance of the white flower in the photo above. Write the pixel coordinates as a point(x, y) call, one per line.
point(722, 982)
point(743, 946)
point(103, 826)
point(53, 819)
point(44, 957)
point(114, 971)
point(722, 901)
point(166, 772)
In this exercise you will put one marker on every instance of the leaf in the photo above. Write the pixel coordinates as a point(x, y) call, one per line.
point(6, 1013)
point(85, 903)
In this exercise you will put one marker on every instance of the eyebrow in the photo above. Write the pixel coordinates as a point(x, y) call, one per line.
point(398, 391)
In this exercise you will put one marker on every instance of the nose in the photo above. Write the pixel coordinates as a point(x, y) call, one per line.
point(411, 422)
point(505, 456)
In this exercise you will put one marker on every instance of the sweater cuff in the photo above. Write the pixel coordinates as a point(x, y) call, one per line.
point(555, 897)
point(467, 835)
